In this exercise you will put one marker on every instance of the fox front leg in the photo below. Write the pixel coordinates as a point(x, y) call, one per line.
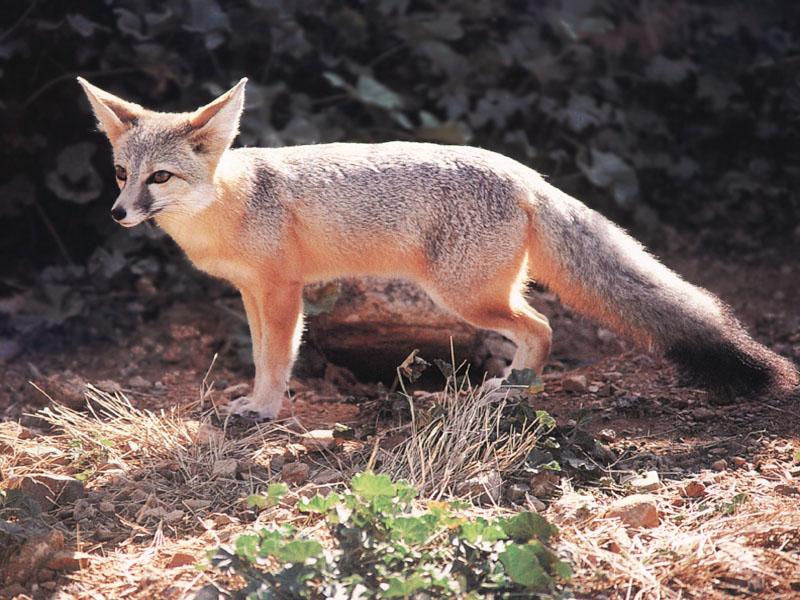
point(276, 324)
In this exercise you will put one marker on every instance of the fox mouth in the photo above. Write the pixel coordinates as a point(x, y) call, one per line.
point(134, 220)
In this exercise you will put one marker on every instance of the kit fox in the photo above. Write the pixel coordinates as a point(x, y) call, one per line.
point(468, 225)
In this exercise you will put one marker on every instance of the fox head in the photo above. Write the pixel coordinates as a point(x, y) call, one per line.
point(165, 162)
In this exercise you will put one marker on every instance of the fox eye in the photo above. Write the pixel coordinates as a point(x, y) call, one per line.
point(159, 177)
point(121, 173)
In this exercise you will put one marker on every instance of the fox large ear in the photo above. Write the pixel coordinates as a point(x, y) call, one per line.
point(114, 115)
point(216, 124)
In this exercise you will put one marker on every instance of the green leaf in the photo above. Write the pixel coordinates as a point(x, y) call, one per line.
point(368, 486)
point(318, 504)
point(403, 587)
point(270, 542)
point(275, 491)
point(523, 567)
point(246, 546)
point(256, 501)
point(562, 569)
point(413, 530)
point(371, 91)
point(299, 551)
point(480, 530)
point(527, 526)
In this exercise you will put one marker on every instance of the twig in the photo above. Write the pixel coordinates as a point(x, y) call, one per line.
point(19, 21)
point(72, 75)
point(51, 228)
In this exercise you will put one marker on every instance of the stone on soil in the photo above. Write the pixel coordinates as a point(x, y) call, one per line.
point(516, 492)
point(317, 440)
point(225, 467)
point(639, 510)
point(574, 383)
point(181, 559)
point(34, 552)
point(544, 483)
point(50, 490)
point(485, 487)
point(694, 489)
point(295, 472)
point(649, 482)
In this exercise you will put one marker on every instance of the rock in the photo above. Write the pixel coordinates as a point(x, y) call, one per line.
point(327, 476)
point(13, 591)
point(574, 383)
point(720, 465)
point(67, 389)
point(197, 504)
point(173, 516)
point(207, 434)
point(516, 492)
point(109, 386)
point(370, 323)
point(83, 509)
point(787, 490)
point(544, 483)
point(638, 510)
point(534, 503)
point(317, 440)
point(649, 482)
point(44, 575)
point(137, 381)
point(181, 559)
point(295, 472)
point(694, 489)
point(50, 490)
point(276, 462)
point(67, 560)
point(738, 461)
point(483, 487)
point(22, 566)
point(603, 454)
point(225, 467)
point(207, 592)
point(222, 520)
point(703, 414)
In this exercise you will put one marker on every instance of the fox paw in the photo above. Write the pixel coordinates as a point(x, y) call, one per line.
point(253, 409)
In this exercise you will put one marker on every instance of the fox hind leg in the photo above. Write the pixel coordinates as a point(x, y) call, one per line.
point(500, 305)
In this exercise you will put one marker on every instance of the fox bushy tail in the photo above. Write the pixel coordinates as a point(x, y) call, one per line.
point(602, 272)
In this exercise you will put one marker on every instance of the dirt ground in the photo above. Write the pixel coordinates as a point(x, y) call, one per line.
point(631, 400)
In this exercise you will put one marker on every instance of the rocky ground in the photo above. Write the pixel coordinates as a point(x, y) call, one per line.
point(695, 496)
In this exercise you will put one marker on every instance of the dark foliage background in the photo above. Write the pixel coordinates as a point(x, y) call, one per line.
point(666, 115)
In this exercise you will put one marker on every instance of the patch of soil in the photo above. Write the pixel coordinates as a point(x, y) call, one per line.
point(625, 396)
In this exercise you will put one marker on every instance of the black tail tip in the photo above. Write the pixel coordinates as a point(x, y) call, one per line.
point(743, 366)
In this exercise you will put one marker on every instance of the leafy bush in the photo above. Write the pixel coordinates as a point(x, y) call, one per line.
point(383, 545)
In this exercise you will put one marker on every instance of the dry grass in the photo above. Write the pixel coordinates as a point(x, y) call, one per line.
point(157, 471)
point(460, 437)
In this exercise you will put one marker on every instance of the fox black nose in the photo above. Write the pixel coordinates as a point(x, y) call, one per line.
point(118, 213)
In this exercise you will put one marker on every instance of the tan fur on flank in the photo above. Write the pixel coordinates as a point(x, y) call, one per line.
point(468, 225)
